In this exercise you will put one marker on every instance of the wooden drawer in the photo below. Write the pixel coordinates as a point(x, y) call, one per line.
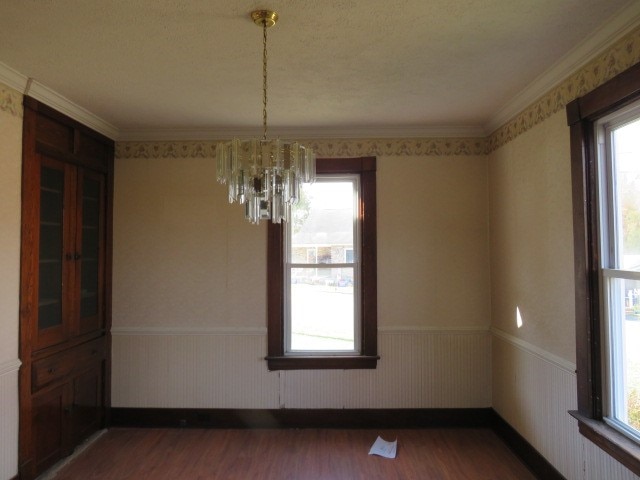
point(59, 367)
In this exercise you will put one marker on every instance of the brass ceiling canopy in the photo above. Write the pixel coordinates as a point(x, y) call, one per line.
point(264, 17)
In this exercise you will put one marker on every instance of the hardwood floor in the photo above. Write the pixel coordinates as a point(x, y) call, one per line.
point(452, 454)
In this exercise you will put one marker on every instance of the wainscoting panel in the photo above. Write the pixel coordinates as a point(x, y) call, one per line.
point(192, 370)
point(533, 391)
point(9, 419)
point(599, 466)
point(419, 368)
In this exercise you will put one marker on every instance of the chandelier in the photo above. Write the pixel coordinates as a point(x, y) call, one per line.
point(262, 174)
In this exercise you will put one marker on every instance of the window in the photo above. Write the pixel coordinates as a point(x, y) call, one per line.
point(607, 277)
point(320, 313)
point(619, 193)
point(322, 294)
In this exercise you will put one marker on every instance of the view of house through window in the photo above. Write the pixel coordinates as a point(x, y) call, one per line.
point(322, 268)
point(619, 139)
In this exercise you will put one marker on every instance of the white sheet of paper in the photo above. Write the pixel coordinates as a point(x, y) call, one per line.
point(383, 448)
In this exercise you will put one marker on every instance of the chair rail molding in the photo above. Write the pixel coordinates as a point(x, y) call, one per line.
point(539, 352)
point(10, 366)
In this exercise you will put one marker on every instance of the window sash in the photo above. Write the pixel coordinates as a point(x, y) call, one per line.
point(354, 179)
point(613, 313)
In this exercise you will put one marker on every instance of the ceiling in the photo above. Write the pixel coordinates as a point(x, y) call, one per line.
point(379, 68)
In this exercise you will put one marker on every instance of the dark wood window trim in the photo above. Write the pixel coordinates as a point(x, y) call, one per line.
point(582, 114)
point(276, 358)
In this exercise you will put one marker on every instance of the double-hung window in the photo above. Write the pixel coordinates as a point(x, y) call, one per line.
point(605, 171)
point(619, 193)
point(322, 272)
point(320, 283)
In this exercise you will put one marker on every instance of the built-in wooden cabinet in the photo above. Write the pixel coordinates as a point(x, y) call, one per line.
point(65, 285)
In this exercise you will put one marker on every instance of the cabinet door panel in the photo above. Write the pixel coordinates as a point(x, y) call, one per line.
point(48, 427)
point(90, 247)
point(54, 266)
point(86, 404)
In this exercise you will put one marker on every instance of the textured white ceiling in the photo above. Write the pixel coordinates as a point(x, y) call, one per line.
point(170, 64)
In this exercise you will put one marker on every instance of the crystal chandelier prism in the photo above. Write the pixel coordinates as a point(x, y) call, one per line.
point(264, 175)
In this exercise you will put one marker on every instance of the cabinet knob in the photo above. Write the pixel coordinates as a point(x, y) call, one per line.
point(77, 256)
point(51, 370)
point(69, 256)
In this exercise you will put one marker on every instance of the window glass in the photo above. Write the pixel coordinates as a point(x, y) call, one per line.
point(626, 160)
point(322, 225)
point(620, 240)
point(321, 310)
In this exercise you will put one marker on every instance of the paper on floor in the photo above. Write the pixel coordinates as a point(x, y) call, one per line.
point(383, 448)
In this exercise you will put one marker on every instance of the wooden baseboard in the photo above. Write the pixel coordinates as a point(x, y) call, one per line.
point(339, 418)
point(301, 418)
point(528, 455)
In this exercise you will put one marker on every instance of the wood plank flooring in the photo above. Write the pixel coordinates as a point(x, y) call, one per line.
point(318, 454)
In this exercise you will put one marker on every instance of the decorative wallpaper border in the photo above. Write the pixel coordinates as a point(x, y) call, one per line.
point(623, 54)
point(323, 148)
point(10, 101)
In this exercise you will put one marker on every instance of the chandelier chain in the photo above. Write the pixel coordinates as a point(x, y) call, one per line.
point(265, 175)
point(264, 80)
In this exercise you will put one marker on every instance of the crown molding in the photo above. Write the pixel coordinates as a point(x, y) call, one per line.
point(64, 105)
point(603, 38)
point(12, 78)
point(217, 134)
point(40, 92)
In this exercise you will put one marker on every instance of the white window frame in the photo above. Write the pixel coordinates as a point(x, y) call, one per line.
point(354, 179)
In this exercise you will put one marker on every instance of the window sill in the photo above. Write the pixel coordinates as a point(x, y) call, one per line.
point(317, 362)
point(620, 447)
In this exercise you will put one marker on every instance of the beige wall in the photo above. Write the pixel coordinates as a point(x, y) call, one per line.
point(532, 238)
point(10, 174)
point(190, 281)
point(10, 184)
point(184, 257)
point(433, 263)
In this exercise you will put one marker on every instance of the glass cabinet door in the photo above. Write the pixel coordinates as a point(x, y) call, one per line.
point(52, 272)
point(90, 247)
point(71, 252)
